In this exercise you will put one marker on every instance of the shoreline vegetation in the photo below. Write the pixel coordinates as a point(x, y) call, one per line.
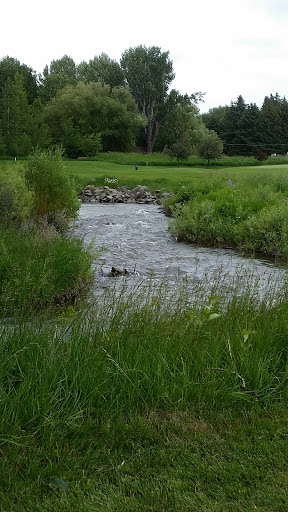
point(139, 402)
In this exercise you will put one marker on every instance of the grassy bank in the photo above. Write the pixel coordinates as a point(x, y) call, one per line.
point(152, 408)
point(39, 268)
point(248, 213)
point(144, 402)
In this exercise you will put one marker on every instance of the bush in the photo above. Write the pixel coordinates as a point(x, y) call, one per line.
point(15, 198)
point(248, 216)
point(266, 231)
point(54, 193)
point(40, 268)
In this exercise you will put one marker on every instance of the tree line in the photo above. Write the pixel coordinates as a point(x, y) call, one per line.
point(99, 105)
point(246, 128)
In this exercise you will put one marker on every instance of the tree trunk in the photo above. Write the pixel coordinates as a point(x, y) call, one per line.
point(152, 131)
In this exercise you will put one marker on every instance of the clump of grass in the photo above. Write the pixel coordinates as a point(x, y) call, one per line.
point(53, 191)
point(15, 198)
point(39, 268)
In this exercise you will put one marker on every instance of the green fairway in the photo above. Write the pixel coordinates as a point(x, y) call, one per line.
point(170, 178)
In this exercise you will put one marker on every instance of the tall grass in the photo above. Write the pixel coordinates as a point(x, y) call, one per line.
point(249, 213)
point(40, 268)
point(72, 389)
point(145, 356)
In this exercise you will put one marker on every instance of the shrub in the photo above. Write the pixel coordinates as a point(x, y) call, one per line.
point(40, 268)
point(15, 198)
point(54, 193)
point(266, 231)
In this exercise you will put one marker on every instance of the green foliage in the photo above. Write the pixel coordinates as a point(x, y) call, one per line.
point(83, 112)
point(182, 148)
point(182, 119)
point(266, 231)
point(14, 120)
point(9, 67)
point(15, 199)
point(40, 269)
point(101, 69)
point(210, 147)
point(60, 73)
point(104, 405)
point(54, 194)
point(148, 72)
point(38, 128)
point(250, 216)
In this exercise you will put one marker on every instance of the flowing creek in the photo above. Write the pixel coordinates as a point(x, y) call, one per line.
point(136, 238)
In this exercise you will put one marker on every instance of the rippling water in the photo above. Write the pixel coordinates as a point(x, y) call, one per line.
point(136, 238)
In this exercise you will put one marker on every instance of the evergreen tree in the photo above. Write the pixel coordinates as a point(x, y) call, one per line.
point(271, 126)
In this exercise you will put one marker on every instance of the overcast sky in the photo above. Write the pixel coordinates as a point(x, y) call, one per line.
point(224, 48)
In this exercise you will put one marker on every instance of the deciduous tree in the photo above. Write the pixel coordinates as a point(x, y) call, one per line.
point(82, 111)
point(211, 147)
point(15, 116)
point(101, 69)
point(182, 148)
point(60, 73)
point(149, 73)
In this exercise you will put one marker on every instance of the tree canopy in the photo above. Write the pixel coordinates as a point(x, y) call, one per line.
point(149, 73)
point(86, 117)
point(210, 147)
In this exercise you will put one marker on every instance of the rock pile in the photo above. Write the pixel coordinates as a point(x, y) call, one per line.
point(139, 194)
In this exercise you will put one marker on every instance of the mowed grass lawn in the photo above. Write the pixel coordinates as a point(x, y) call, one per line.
point(165, 177)
point(168, 178)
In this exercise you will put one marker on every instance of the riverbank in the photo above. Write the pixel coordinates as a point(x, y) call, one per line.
point(157, 406)
point(157, 399)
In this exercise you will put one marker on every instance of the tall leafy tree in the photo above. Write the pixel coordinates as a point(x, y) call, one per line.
point(60, 73)
point(149, 73)
point(38, 129)
point(215, 119)
point(79, 114)
point(15, 117)
point(182, 118)
point(210, 147)
point(182, 148)
point(8, 69)
point(101, 69)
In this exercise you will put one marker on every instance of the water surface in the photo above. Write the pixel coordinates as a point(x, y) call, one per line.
point(136, 238)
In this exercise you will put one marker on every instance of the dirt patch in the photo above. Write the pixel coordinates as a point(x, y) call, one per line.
point(187, 421)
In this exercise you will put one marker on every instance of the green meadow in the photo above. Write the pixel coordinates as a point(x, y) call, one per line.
point(143, 402)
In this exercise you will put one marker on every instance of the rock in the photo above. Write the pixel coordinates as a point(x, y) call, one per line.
point(123, 194)
point(115, 272)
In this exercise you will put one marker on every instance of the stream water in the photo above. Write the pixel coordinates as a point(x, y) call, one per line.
point(136, 238)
